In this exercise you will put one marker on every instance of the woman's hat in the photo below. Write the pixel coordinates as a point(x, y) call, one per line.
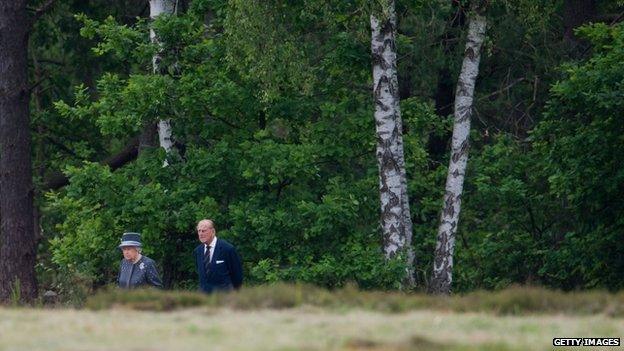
point(130, 239)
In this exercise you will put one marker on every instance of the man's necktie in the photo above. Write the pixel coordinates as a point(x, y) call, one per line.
point(207, 258)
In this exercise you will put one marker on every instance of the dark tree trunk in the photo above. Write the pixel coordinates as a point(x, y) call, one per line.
point(148, 139)
point(576, 13)
point(437, 144)
point(17, 241)
point(445, 88)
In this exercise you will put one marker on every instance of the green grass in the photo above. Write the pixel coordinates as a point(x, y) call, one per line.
point(512, 301)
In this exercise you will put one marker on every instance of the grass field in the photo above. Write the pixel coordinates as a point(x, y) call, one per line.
point(303, 317)
point(300, 328)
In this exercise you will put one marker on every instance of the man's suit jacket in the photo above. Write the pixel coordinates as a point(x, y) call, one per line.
point(225, 271)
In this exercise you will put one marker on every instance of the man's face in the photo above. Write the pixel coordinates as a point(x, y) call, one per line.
point(205, 232)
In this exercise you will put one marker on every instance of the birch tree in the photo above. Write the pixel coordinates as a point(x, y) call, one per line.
point(449, 218)
point(157, 8)
point(17, 235)
point(396, 223)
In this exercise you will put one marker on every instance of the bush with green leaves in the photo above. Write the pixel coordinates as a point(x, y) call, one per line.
point(546, 210)
point(272, 115)
point(282, 162)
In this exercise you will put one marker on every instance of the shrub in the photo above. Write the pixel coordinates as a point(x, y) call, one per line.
point(515, 300)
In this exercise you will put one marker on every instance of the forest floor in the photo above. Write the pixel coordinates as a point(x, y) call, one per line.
point(299, 328)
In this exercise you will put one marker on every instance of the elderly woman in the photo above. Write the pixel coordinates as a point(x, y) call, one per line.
point(135, 269)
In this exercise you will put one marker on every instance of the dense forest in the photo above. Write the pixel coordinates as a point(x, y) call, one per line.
point(440, 145)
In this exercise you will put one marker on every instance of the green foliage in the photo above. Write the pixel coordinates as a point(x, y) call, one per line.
point(120, 40)
point(582, 140)
point(550, 205)
point(271, 108)
point(278, 151)
point(143, 198)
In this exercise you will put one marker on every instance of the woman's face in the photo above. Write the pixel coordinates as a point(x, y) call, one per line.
point(130, 253)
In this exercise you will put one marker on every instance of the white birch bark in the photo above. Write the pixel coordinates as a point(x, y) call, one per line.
point(396, 223)
point(449, 218)
point(157, 8)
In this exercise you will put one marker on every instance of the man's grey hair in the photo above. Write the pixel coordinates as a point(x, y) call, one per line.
point(208, 222)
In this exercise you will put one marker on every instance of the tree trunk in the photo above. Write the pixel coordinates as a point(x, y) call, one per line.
point(575, 14)
point(130, 152)
point(17, 241)
point(157, 8)
point(396, 222)
point(147, 138)
point(445, 88)
point(449, 218)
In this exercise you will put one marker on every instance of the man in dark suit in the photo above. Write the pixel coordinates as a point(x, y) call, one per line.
point(217, 262)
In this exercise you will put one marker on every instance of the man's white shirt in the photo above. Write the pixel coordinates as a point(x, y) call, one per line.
point(212, 244)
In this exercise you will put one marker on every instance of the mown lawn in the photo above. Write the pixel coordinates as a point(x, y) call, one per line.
point(299, 328)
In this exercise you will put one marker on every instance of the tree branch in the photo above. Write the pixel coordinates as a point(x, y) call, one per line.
point(60, 145)
point(224, 121)
point(38, 12)
point(502, 90)
point(58, 180)
point(43, 9)
point(492, 94)
point(34, 85)
point(51, 61)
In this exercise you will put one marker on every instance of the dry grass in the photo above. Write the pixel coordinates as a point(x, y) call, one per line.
point(302, 328)
point(513, 301)
point(300, 317)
